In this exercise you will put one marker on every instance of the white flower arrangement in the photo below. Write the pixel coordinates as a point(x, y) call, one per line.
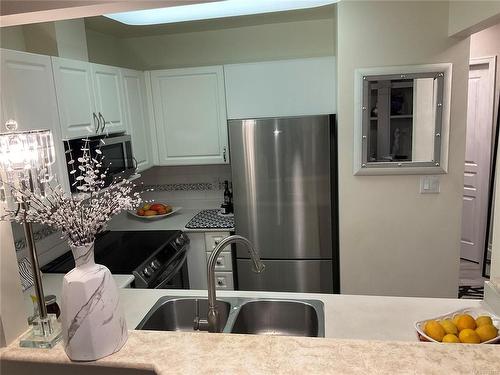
point(80, 216)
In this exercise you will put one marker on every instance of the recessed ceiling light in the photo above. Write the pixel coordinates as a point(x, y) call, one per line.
point(217, 9)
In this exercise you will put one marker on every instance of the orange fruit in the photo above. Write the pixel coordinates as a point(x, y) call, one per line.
point(140, 212)
point(469, 336)
point(466, 322)
point(434, 330)
point(487, 332)
point(150, 213)
point(483, 319)
point(451, 339)
point(456, 317)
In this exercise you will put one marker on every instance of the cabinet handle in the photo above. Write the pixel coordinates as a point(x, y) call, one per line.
point(103, 122)
point(224, 154)
point(96, 122)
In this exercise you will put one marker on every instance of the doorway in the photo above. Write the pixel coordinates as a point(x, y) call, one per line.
point(478, 170)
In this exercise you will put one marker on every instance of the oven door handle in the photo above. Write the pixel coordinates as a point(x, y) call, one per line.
point(180, 264)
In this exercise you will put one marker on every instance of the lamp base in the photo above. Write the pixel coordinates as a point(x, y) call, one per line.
point(43, 333)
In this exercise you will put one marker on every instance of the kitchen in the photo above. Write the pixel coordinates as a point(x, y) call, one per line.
point(316, 51)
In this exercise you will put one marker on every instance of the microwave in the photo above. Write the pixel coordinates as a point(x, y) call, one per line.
point(117, 152)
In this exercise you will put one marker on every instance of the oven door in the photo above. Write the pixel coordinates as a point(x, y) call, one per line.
point(175, 275)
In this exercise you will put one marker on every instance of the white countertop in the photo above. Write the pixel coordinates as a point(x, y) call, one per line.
point(382, 323)
point(176, 221)
point(346, 316)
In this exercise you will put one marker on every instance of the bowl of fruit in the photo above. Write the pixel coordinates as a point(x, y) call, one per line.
point(154, 211)
point(467, 326)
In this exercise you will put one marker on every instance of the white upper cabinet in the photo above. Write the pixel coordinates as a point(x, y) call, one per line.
point(137, 117)
point(296, 87)
point(190, 115)
point(28, 96)
point(75, 98)
point(108, 89)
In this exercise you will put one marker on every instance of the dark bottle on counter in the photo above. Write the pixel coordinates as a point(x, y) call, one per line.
point(231, 207)
point(226, 207)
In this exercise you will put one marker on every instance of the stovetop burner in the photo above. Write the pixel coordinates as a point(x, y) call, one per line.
point(121, 251)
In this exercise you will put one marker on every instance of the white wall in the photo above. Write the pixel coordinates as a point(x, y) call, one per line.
point(467, 17)
point(232, 45)
point(109, 50)
point(12, 38)
point(12, 314)
point(487, 43)
point(393, 240)
point(71, 39)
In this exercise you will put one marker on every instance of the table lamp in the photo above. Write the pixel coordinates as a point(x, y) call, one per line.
point(26, 159)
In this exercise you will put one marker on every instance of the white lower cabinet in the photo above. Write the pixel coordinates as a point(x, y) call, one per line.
point(200, 247)
point(190, 116)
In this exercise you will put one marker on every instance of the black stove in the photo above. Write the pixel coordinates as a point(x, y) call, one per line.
point(153, 257)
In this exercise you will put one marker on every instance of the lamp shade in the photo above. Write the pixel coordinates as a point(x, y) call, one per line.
point(26, 159)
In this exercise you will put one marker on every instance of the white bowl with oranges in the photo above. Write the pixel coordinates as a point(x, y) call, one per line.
point(154, 211)
point(467, 326)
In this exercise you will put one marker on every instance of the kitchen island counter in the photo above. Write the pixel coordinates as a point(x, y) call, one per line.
point(364, 334)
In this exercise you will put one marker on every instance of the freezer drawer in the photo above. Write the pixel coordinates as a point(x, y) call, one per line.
point(307, 276)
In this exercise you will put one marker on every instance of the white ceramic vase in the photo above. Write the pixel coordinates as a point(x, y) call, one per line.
point(92, 320)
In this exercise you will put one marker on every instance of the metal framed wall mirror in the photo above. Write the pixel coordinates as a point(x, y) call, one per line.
point(402, 117)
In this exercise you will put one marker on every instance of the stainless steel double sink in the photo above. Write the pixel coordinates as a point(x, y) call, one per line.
point(287, 317)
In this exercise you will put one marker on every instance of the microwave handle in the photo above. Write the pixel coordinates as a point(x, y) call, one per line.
point(103, 121)
point(96, 122)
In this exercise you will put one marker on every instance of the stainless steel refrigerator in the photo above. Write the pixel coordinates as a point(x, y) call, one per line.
point(285, 189)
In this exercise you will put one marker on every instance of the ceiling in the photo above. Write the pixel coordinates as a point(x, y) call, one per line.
point(108, 26)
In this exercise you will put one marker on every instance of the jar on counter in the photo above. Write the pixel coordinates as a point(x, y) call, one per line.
point(52, 306)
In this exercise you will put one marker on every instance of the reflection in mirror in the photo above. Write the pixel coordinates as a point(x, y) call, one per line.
point(402, 119)
point(402, 114)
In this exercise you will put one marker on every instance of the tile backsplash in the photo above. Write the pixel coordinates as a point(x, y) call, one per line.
point(199, 186)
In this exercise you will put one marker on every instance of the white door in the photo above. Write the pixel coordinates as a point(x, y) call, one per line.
point(28, 96)
point(75, 98)
point(108, 89)
point(137, 119)
point(190, 115)
point(477, 161)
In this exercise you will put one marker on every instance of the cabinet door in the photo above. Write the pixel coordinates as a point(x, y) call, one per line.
point(28, 96)
point(75, 97)
point(108, 89)
point(296, 87)
point(190, 115)
point(137, 119)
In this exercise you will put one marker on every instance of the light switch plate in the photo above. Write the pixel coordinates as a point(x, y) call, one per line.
point(429, 185)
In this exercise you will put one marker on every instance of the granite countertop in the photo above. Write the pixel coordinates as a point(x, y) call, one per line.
point(176, 221)
point(206, 353)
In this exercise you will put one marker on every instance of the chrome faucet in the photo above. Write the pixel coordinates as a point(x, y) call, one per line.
point(258, 267)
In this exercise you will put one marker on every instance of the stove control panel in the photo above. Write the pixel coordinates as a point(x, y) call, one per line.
point(158, 263)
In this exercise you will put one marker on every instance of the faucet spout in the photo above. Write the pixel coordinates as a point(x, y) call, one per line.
point(258, 267)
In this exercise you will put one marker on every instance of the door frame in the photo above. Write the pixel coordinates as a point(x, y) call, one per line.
point(491, 62)
point(492, 68)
